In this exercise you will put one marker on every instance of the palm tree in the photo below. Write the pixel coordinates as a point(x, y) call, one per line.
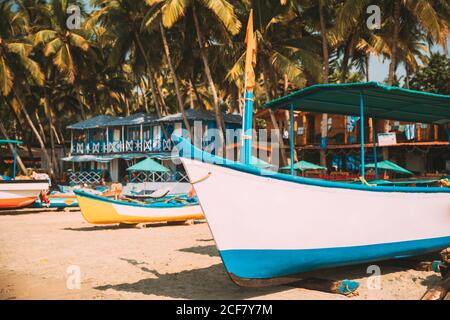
point(67, 47)
point(16, 65)
point(223, 13)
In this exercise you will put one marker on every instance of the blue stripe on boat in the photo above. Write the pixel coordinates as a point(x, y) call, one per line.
point(261, 264)
point(84, 194)
point(187, 150)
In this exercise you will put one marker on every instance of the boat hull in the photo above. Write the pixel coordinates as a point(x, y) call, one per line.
point(16, 194)
point(58, 201)
point(276, 225)
point(101, 210)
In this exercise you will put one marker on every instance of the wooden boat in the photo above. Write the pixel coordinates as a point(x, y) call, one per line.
point(274, 225)
point(269, 225)
point(19, 193)
point(15, 194)
point(102, 210)
point(58, 200)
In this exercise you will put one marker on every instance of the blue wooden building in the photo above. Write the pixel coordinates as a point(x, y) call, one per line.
point(104, 146)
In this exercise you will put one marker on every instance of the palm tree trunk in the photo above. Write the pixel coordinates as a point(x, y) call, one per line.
point(275, 126)
point(218, 113)
point(41, 128)
point(367, 67)
point(174, 76)
point(164, 108)
point(80, 104)
point(35, 131)
point(49, 115)
point(326, 72)
point(197, 95)
point(151, 80)
point(393, 65)
point(22, 131)
point(144, 95)
point(19, 159)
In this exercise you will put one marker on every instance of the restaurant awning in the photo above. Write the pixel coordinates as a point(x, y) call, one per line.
point(389, 166)
point(256, 162)
point(148, 165)
point(305, 166)
point(380, 101)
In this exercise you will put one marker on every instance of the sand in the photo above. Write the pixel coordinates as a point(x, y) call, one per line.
point(40, 251)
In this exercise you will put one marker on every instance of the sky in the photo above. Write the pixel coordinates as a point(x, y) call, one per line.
point(378, 70)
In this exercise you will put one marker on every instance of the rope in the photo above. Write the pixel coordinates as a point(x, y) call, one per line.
point(363, 180)
point(201, 179)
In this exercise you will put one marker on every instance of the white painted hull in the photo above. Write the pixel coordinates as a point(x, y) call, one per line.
point(18, 194)
point(261, 216)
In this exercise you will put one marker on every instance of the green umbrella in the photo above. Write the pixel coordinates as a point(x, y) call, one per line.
point(256, 162)
point(148, 165)
point(305, 166)
point(389, 166)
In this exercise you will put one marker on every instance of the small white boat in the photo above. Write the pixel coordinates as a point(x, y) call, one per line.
point(16, 194)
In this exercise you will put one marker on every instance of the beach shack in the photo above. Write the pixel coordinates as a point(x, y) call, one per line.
point(103, 147)
point(422, 148)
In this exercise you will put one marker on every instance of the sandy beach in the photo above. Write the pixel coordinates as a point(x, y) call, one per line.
point(40, 250)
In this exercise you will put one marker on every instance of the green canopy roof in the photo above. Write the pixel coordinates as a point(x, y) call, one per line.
point(389, 166)
point(10, 141)
point(305, 166)
point(256, 162)
point(380, 101)
point(148, 165)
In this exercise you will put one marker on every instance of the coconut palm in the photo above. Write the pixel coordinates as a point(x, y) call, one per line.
point(221, 11)
point(17, 68)
point(67, 47)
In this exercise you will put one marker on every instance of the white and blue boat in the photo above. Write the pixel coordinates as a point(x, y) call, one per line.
point(269, 225)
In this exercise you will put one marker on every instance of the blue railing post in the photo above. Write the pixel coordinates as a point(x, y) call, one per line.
point(247, 125)
point(361, 111)
point(15, 160)
point(374, 138)
point(291, 140)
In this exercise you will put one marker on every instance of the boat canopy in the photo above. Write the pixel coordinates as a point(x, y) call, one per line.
point(305, 166)
point(148, 165)
point(380, 101)
point(257, 162)
point(387, 165)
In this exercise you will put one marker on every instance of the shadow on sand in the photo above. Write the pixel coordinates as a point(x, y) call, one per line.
point(213, 282)
point(203, 283)
point(206, 250)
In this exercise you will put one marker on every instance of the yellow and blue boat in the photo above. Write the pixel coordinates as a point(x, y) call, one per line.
point(102, 210)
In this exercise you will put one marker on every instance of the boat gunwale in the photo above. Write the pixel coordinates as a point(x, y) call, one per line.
point(26, 181)
point(200, 155)
point(156, 205)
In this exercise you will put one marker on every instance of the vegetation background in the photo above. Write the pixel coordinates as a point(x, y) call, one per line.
point(164, 56)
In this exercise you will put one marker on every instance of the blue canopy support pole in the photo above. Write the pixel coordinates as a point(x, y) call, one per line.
point(361, 111)
point(291, 135)
point(15, 161)
point(374, 138)
point(246, 151)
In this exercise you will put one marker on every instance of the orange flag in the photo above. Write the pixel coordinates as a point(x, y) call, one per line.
point(250, 55)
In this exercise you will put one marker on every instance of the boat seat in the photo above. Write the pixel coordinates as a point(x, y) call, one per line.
point(160, 193)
